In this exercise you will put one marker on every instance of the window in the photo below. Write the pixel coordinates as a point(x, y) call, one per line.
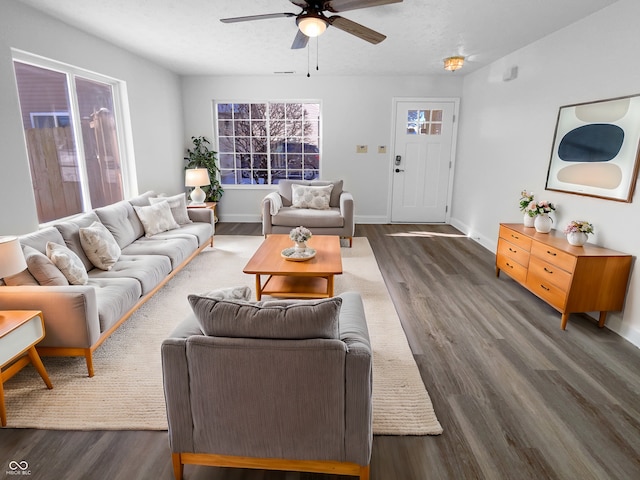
point(72, 134)
point(263, 143)
point(424, 122)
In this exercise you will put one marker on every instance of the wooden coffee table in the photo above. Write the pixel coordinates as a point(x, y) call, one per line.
point(287, 279)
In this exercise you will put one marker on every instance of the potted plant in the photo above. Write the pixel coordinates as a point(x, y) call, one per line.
point(577, 232)
point(541, 210)
point(526, 205)
point(200, 156)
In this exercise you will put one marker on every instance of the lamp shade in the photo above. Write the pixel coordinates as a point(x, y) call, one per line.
point(196, 177)
point(11, 257)
point(311, 26)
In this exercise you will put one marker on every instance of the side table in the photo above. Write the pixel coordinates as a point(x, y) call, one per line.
point(20, 331)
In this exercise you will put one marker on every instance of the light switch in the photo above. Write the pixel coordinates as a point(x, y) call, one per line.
point(382, 149)
point(361, 149)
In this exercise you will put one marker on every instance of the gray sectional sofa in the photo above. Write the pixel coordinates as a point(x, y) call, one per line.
point(79, 317)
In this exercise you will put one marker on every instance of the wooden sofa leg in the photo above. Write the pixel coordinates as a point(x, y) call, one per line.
point(177, 466)
point(88, 355)
point(364, 473)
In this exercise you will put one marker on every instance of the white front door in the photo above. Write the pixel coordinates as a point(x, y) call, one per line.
point(422, 160)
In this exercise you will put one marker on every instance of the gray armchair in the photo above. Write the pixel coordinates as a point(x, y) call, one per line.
point(280, 216)
point(279, 385)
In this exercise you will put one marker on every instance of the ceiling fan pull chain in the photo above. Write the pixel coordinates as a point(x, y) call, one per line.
point(308, 61)
point(317, 52)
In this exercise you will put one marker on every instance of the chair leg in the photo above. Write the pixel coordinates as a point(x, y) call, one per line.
point(364, 473)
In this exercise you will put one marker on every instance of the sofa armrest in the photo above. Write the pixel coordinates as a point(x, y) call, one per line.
point(359, 378)
point(70, 312)
point(267, 226)
point(204, 215)
point(347, 211)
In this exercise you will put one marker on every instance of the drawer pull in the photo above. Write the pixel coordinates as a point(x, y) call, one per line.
point(545, 288)
point(509, 265)
point(512, 250)
point(547, 270)
point(515, 236)
point(552, 253)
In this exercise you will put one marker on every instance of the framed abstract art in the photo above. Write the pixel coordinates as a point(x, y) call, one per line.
point(595, 149)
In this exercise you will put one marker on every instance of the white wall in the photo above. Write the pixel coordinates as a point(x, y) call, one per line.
point(154, 102)
point(355, 111)
point(506, 134)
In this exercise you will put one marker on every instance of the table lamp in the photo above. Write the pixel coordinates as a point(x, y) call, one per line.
point(197, 177)
point(11, 257)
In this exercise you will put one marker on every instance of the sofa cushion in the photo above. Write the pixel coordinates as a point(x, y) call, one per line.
point(70, 231)
point(99, 245)
point(115, 297)
point(178, 205)
point(156, 218)
point(284, 189)
point(147, 270)
point(122, 222)
point(40, 238)
point(316, 197)
point(300, 320)
point(68, 263)
point(294, 217)
point(42, 268)
point(172, 244)
point(201, 231)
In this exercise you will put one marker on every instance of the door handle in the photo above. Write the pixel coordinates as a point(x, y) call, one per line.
point(399, 170)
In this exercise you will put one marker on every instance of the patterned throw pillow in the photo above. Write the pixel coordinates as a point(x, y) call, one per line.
point(230, 293)
point(68, 263)
point(156, 218)
point(303, 196)
point(178, 205)
point(42, 268)
point(99, 245)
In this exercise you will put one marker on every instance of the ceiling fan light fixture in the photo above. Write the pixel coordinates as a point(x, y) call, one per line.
point(453, 63)
point(311, 25)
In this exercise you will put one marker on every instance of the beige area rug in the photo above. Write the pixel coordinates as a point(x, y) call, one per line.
point(126, 391)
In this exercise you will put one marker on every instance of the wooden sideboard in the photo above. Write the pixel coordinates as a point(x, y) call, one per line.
point(570, 279)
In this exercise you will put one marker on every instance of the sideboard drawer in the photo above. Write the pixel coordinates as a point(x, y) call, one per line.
point(546, 290)
point(550, 273)
point(516, 238)
point(512, 268)
point(510, 250)
point(554, 256)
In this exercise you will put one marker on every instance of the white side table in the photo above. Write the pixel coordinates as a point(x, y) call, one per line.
point(20, 331)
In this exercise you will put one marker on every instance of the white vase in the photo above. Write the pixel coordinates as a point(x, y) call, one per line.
point(301, 246)
point(577, 239)
point(528, 220)
point(542, 223)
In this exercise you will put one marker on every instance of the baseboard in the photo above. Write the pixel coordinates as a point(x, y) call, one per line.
point(240, 218)
point(488, 243)
point(371, 219)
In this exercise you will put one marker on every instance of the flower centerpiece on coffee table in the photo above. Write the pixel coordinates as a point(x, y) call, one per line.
point(300, 235)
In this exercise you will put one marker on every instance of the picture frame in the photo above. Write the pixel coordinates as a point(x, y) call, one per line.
point(596, 149)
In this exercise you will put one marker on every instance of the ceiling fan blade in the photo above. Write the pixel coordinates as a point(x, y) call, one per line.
point(344, 5)
point(300, 3)
point(356, 29)
point(300, 41)
point(257, 17)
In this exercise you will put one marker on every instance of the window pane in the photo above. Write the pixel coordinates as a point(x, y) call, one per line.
point(53, 158)
point(100, 141)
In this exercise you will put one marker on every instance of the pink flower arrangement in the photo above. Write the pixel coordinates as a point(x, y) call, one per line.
point(543, 206)
point(575, 226)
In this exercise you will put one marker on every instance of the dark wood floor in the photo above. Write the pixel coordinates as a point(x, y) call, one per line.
point(518, 398)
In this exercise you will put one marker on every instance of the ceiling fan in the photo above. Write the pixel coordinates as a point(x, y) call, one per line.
point(312, 21)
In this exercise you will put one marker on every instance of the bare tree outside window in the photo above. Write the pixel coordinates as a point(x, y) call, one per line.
point(263, 143)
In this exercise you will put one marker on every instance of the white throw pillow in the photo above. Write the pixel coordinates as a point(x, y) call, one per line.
point(99, 245)
point(156, 218)
point(68, 263)
point(304, 196)
point(178, 205)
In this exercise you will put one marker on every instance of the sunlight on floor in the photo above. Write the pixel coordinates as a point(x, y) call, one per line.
point(426, 234)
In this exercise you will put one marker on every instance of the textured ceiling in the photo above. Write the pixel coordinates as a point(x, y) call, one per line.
point(187, 37)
